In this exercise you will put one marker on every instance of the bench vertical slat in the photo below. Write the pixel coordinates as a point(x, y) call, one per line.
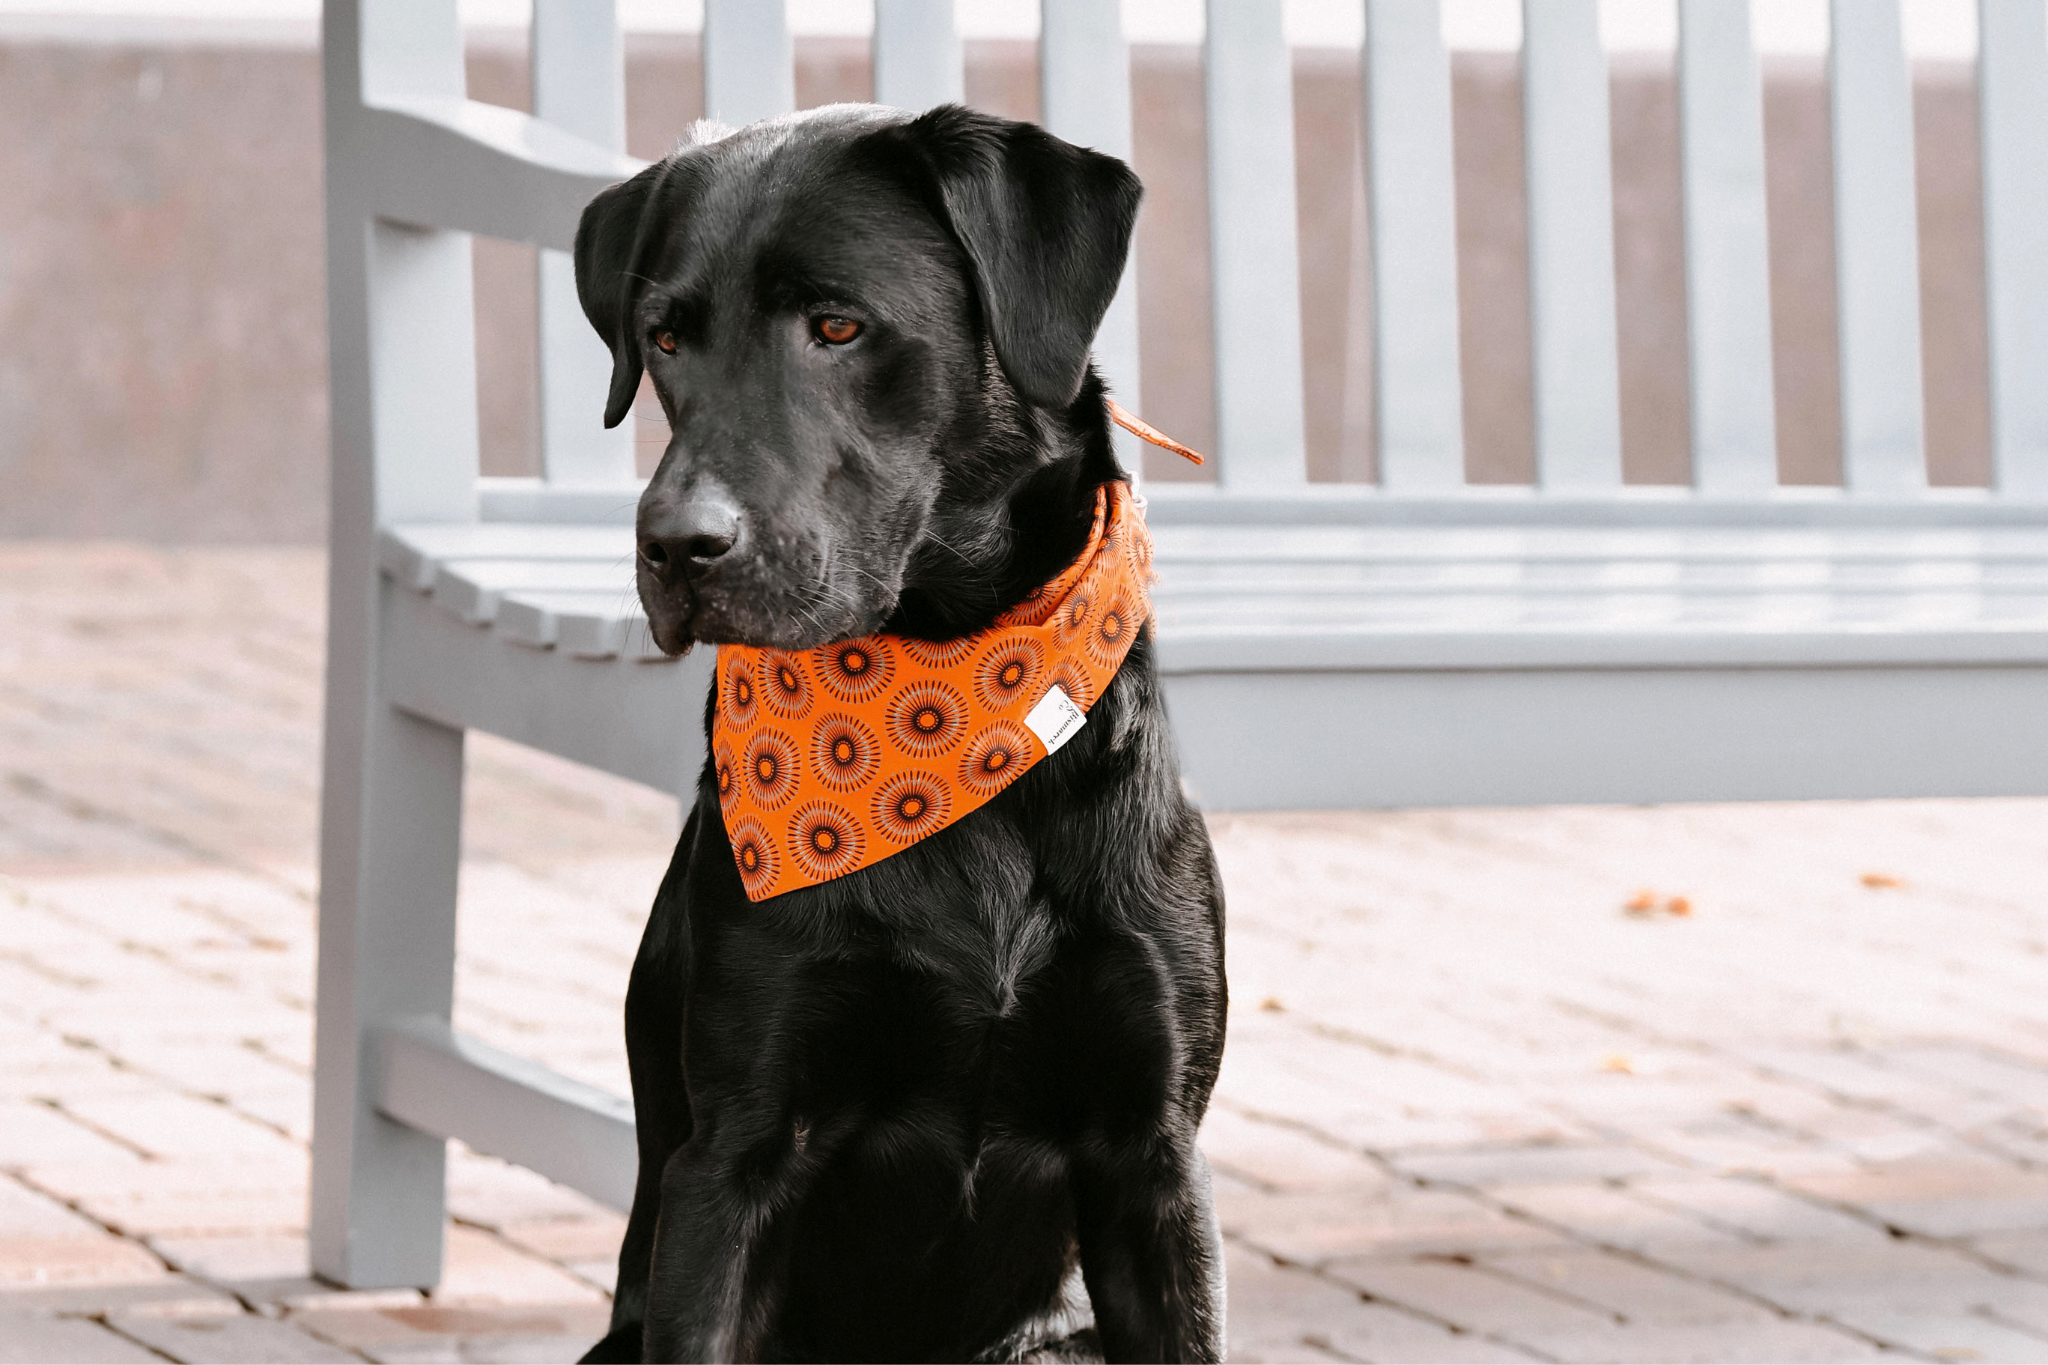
point(1412, 198)
point(1084, 76)
point(1727, 250)
point(2013, 87)
point(749, 67)
point(1255, 289)
point(917, 54)
point(1576, 355)
point(579, 85)
point(1877, 251)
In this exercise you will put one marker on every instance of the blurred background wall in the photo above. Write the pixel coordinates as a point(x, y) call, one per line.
point(162, 339)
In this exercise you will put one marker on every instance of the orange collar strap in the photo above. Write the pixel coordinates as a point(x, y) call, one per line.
point(832, 759)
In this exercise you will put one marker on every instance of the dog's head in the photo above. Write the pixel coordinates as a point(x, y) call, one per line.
point(853, 317)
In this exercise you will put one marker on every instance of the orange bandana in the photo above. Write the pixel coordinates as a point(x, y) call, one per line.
point(831, 759)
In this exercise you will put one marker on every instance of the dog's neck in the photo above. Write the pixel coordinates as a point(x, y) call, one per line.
point(1014, 509)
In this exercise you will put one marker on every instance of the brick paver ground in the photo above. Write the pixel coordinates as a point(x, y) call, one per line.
point(1792, 1105)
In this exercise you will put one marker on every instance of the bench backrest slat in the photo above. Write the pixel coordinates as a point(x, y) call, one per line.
point(749, 66)
point(579, 85)
point(1084, 80)
point(1727, 251)
point(1877, 253)
point(1575, 356)
point(2013, 38)
point(1255, 290)
point(1418, 394)
point(917, 54)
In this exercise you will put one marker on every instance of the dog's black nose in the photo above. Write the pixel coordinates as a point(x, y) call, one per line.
point(690, 534)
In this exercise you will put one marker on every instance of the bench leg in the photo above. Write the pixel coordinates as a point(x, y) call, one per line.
point(391, 827)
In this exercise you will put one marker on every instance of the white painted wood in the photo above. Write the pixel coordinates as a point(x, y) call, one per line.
point(450, 1085)
point(2013, 75)
point(749, 66)
point(402, 442)
point(635, 715)
point(917, 54)
point(1715, 733)
point(1084, 82)
point(1727, 251)
point(579, 85)
point(1418, 398)
point(438, 162)
point(1877, 252)
point(1571, 247)
point(1253, 260)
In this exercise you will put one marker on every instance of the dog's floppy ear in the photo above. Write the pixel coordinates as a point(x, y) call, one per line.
point(609, 242)
point(1047, 226)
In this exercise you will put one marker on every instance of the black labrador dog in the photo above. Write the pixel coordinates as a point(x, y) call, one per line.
point(910, 1113)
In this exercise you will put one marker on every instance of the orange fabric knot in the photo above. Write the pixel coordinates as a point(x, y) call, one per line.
point(831, 759)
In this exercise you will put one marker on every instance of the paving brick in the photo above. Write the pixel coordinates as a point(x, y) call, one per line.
point(185, 1197)
point(168, 1124)
point(481, 1269)
point(386, 1332)
point(25, 1213)
point(31, 1134)
point(172, 1294)
point(1823, 1276)
point(238, 1258)
point(1604, 1213)
point(1952, 1196)
point(1395, 1221)
point(1471, 1298)
point(1283, 1158)
point(1533, 1164)
point(90, 1258)
point(32, 1339)
point(1279, 1314)
point(1774, 1342)
point(494, 1193)
point(2026, 1251)
point(1633, 1292)
point(1751, 1207)
point(1947, 1336)
point(237, 1339)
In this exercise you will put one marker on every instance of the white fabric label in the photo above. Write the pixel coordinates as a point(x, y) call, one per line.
point(1056, 719)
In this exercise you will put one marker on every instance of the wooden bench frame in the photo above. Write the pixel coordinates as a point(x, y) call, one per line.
point(1417, 641)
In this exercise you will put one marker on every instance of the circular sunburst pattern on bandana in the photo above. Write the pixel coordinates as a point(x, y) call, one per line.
point(994, 757)
point(1036, 606)
point(844, 753)
point(724, 770)
point(1110, 634)
point(769, 769)
point(754, 854)
point(940, 653)
point(927, 718)
point(909, 806)
point(1071, 678)
point(825, 840)
point(785, 686)
point(1070, 623)
point(856, 670)
point(1008, 671)
point(738, 696)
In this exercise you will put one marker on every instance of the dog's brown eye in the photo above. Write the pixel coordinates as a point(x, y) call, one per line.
point(667, 342)
point(835, 331)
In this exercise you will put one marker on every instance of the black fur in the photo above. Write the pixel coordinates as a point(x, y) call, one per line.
point(905, 1114)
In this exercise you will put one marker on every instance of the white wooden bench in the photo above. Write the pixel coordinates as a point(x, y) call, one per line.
point(1413, 642)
